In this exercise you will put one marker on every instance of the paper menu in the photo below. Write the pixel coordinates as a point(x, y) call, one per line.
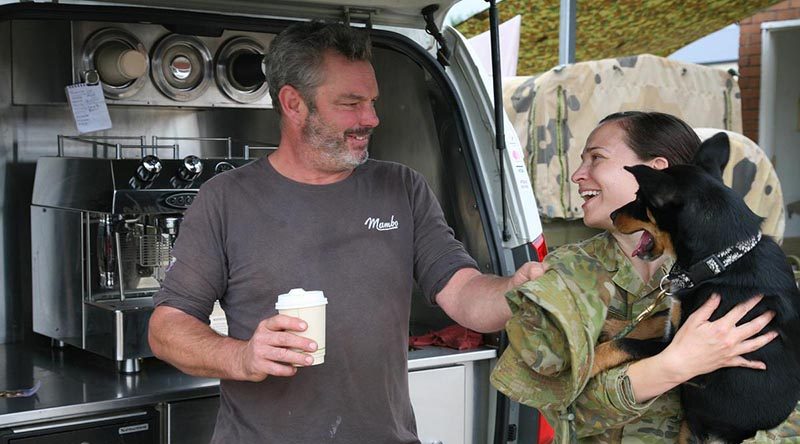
point(88, 107)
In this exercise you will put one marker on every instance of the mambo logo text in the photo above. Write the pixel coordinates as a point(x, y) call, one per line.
point(375, 222)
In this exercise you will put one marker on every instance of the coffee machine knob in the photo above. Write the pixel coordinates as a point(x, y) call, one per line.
point(222, 167)
point(148, 168)
point(190, 169)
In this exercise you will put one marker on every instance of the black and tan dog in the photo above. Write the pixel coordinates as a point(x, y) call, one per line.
point(687, 212)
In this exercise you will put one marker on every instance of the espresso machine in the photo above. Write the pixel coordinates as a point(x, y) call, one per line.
point(102, 230)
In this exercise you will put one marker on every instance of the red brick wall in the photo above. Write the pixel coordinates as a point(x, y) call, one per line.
point(750, 59)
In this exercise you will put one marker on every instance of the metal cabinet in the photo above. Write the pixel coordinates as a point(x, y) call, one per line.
point(132, 427)
point(439, 399)
point(191, 421)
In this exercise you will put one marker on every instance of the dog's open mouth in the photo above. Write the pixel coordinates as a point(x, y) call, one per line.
point(645, 246)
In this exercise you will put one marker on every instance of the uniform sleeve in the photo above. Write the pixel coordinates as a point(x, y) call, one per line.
point(197, 275)
point(787, 432)
point(607, 402)
point(552, 334)
point(437, 253)
point(556, 320)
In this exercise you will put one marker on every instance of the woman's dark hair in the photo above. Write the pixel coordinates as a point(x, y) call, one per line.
point(654, 134)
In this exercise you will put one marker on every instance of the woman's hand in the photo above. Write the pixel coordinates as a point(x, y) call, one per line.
point(701, 346)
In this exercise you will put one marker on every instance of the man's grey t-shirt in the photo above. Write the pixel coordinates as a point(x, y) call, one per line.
point(252, 234)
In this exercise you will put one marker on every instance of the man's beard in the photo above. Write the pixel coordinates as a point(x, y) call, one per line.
point(329, 146)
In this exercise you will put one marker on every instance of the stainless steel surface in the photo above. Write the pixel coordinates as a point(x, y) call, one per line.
point(566, 32)
point(149, 168)
point(103, 185)
point(136, 426)
point(226, 60)
point(89, 421)
point(191, 421)
point(430, 357)
point(129, 366)
point(190, 169)
point(95, 44)
point(228, 141)
point(171, 82)
point(248, 149)
point(120, 270)
point(117, 329)
point(79, 383)
point(117, 219)
point(41, 75)
point(182, 67)
point(59, 278)
point(103, 142)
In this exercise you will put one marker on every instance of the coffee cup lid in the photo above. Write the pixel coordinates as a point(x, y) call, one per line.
point(299, 298)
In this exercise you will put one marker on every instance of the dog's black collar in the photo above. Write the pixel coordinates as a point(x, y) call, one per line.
point(713, 265)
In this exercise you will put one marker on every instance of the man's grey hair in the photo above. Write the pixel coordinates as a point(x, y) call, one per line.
point(295, 56)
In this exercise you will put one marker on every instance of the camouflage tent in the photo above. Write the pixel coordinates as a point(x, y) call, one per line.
point(554, 113)
point(750, 173)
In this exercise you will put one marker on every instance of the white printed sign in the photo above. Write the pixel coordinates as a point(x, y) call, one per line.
point(88, 107)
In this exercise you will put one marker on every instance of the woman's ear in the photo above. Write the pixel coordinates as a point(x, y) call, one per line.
point(659, 163)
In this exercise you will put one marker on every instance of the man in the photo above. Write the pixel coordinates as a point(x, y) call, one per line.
point(299, 218)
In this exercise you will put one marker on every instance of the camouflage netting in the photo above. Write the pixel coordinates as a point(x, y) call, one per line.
point(613, 28)
point(554, 113)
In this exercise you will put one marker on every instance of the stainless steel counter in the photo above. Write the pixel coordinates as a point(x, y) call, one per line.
point(428, 357)
point(75, 382)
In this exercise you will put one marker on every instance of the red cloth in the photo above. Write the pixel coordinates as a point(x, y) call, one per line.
point(462, 338)
point(454, 336)
point(546, 433)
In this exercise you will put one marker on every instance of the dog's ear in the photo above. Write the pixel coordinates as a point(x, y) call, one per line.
point(655, 186)
point(713, 154)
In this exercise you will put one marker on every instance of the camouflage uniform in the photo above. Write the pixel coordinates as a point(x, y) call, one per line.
point(556, 323)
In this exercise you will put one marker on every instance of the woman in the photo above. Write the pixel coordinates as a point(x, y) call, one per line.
point(558, 317)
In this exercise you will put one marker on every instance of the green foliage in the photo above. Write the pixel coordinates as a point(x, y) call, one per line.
point(608, 28)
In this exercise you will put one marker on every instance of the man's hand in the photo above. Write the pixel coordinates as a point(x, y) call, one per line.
point(527, 272)
point(477, 301)
point(272, 349)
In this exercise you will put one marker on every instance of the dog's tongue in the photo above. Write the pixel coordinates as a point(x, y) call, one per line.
point(644, 244)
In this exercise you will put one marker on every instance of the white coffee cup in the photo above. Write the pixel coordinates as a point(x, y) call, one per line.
point(310, 307)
